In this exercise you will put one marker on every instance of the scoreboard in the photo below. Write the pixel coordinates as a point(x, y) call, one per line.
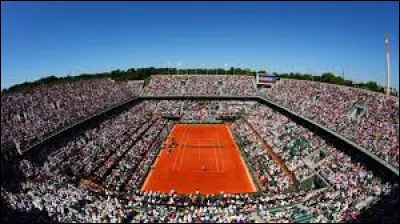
point(266, 79)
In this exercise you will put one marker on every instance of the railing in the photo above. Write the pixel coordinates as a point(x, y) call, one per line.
point(155, 139)
point(274, 156)
point(72, 124)
point(390, 167)
point(200, 122)
point(159, 148)
point(112, 152)
point(262, 100)
point(246, 160)
point(118, 159)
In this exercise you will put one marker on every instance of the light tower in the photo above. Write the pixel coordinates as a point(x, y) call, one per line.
point(343, 74)
point(177, 69)
point(168, 65)
point(386, 38)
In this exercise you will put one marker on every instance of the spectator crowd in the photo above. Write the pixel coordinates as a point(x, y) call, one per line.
point(200, 85)
point(374, 126)
point(117, 153)
point(30, 116)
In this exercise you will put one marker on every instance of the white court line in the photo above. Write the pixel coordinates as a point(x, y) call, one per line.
point(215, 151)
point(180, 146)
point(219, 153)
point(203, 140)
point(198, 149)
point(243, 163)
point(155, 165)
point(183, 151)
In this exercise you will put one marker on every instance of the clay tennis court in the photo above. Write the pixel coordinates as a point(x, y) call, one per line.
point(205, 159)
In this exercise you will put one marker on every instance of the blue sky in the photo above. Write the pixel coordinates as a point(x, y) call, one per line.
point(59, 38)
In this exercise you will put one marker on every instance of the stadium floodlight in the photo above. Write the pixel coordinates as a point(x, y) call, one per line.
point(355, 79)
point(343, 74)
point(177, 69)
point(204, 66)
point(168, 65)
point(386, 39)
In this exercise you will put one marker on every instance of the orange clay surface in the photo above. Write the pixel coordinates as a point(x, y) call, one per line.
point(205, 159)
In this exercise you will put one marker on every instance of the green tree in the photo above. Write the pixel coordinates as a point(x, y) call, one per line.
point(328, 77)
